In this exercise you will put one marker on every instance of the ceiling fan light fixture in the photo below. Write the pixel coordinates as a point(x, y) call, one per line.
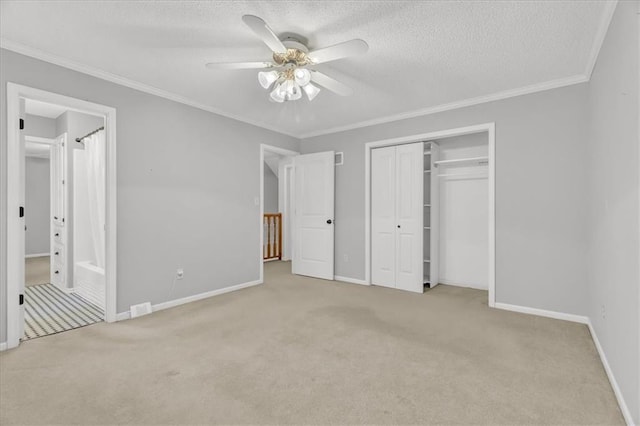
point(267, 78)
point(302, 76)
point(311, 91)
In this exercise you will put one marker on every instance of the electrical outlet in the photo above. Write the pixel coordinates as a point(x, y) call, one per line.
point(346, 258)
point(180, 273)
point(603, 311)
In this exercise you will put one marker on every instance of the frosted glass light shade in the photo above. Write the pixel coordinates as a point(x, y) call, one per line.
point(302, 76)
point(277, 94)
point(267, 78)
point(311, 91)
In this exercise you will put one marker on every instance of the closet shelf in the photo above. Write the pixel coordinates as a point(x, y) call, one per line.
point(427, 260)
point(427, 227)
point(427, 153)
point(427, 171)
point(479, 160)
point(427, 205)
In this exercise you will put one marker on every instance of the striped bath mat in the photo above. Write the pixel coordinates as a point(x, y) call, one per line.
point(49, 310)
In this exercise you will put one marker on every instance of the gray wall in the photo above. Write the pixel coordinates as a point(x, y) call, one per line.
point(187, 180)
point(37, 205)
point(613, 276)
point(270, 191)
point(540, 193)
point(42, 127)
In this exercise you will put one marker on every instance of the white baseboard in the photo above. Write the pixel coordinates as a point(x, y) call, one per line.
point(177, 302)
point(543, 313)
point(28, 256)
point(455, 284)
point(612, 379)
point(349, 280)
point(3, 346)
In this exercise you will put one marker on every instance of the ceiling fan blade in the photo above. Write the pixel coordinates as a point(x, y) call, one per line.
point(330, 84)
point(238, 65)
point(338, 51)
point(263, 31)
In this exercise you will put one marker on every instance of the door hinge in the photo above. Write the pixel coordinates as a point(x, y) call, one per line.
point(21, 213)
point(21, 299)
point(21, 124)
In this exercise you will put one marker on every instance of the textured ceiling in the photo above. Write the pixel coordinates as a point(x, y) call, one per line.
point(422, 54)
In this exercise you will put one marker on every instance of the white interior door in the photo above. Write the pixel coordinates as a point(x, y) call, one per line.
point(409, 215)
point(383, 216)
point(313, 250)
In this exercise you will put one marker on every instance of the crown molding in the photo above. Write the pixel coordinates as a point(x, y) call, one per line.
point(122, 81)
point(607, 16)
point(548, 85)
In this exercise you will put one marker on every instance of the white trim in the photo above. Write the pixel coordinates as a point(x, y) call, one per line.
point(280, 151)
point(3, 346)
point(626, 413)
point(184, 300)
point(479, 128)
point(29, 256)
point(457, 284)
point(349, 280)
point(542, 313)
point(14, 230)
point(540, 87)
point(605, 21)
point(122, 81)
point(38, 139)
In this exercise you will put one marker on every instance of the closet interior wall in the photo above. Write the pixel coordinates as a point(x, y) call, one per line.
point(464, 210)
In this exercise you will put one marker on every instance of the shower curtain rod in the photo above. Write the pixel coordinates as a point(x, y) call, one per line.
point(89, 134)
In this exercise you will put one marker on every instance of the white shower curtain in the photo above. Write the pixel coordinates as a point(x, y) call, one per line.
point(95, 153)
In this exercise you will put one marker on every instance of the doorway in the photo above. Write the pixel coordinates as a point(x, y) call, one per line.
point(276, 198)
point(61, 244)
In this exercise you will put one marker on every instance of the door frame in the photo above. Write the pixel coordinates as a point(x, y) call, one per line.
point(280, 151)
point(488, 128)
point(14, 232)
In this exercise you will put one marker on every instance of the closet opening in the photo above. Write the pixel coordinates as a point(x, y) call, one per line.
point(61, 244)
point(430, 210)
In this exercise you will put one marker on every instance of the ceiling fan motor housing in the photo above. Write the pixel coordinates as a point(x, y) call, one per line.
point(296, 54)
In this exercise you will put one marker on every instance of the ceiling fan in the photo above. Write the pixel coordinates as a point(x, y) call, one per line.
point(290, 73)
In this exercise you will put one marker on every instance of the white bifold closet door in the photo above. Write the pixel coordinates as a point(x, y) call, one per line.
point(397, 216)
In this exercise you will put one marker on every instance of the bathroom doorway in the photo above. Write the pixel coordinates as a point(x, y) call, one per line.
point(62, 264)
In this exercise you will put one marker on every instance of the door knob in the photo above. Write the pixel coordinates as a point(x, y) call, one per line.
point(329, 221)
point(398, 226)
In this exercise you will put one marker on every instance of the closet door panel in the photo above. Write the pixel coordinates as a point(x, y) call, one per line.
point(383, 222)
point(409, 213)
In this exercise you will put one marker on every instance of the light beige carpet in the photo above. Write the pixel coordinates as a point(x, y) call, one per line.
point(300, 350)
point(37, 270)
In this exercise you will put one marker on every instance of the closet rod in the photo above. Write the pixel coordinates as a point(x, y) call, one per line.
point(89, 134)
point(478, 175)
point(479, 160)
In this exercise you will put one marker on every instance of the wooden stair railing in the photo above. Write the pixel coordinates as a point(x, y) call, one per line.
point(272, 230)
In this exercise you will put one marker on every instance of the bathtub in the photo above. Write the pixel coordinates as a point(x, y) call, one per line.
point(89, 282)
